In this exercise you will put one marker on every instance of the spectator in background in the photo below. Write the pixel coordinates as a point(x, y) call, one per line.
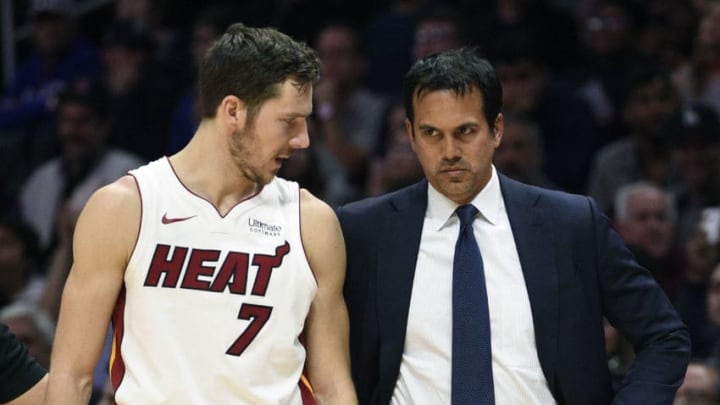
point(439, 29)
point(209, 25)
point(395, 165)
point(530, 90)
point(520, 154)
point(169, 46)
point(699, 80)
point(665, 33)
point(702, 256)
point(349, 116)
point(694, 133)
point(645, 219)
point(606, 34)
point(140, 97)
point(389, 38)
point(62, 185)
point(701, 385)
point(20, 280)
point(33, 327)
point(552, 28)
point(702, 7)
point(644, 152)
point(707, 339)
point(57, 59)
point(303, 18)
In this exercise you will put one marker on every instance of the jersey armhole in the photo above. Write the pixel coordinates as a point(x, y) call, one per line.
point(302, 241)
point(140, 221)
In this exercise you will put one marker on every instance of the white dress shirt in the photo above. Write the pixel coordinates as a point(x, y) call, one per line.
point(425, 371)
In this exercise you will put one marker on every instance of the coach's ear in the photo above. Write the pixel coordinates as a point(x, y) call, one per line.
point(497, 129)
point(233, 112)
point(410, 130)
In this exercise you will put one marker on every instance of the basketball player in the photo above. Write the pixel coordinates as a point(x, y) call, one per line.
point(212, 269)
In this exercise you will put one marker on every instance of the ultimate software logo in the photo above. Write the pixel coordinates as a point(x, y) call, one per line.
point(257, 226)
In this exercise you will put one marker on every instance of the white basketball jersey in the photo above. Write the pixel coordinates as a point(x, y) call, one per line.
point(213, 306)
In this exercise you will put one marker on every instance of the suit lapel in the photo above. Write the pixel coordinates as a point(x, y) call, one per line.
point(398, 245)
point(533, 238)
point(399, 242)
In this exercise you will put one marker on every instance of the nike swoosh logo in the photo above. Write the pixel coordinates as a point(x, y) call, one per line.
point(165, 220)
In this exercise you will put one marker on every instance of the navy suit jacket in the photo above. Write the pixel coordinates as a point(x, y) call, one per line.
point(576, 269)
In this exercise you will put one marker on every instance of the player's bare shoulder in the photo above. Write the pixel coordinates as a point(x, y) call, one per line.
point(313, 208)
point(316, 215)
point(119, 198)
point(111, 217)
point(319, 228)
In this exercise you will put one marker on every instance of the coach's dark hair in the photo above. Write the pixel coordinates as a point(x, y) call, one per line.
point(251, 63)
point(458, 70)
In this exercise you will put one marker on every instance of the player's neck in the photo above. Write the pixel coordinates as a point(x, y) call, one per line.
point(205, 167)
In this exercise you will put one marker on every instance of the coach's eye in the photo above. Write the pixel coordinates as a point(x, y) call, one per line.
point(465, 130)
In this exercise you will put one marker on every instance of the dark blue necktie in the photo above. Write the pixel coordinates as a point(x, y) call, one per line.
point(472, 380)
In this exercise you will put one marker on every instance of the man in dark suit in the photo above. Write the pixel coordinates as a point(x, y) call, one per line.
point(545, 268)
point(22, 380)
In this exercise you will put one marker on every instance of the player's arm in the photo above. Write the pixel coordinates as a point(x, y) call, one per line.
point(104, 237)
point(327, 326)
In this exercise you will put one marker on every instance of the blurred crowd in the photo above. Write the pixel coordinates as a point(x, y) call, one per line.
point(617, 99)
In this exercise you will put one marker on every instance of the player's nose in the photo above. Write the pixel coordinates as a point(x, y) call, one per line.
point(301, 140)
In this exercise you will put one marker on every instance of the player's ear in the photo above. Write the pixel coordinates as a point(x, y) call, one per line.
point(233, 111)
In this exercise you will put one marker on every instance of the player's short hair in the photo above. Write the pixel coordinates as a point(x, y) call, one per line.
point(252, 63)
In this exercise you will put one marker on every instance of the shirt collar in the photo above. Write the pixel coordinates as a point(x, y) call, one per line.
point(441, 209)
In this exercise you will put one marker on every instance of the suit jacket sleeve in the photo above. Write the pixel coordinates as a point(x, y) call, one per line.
point(634, 303)
point(18, 371)
point(359, 296)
